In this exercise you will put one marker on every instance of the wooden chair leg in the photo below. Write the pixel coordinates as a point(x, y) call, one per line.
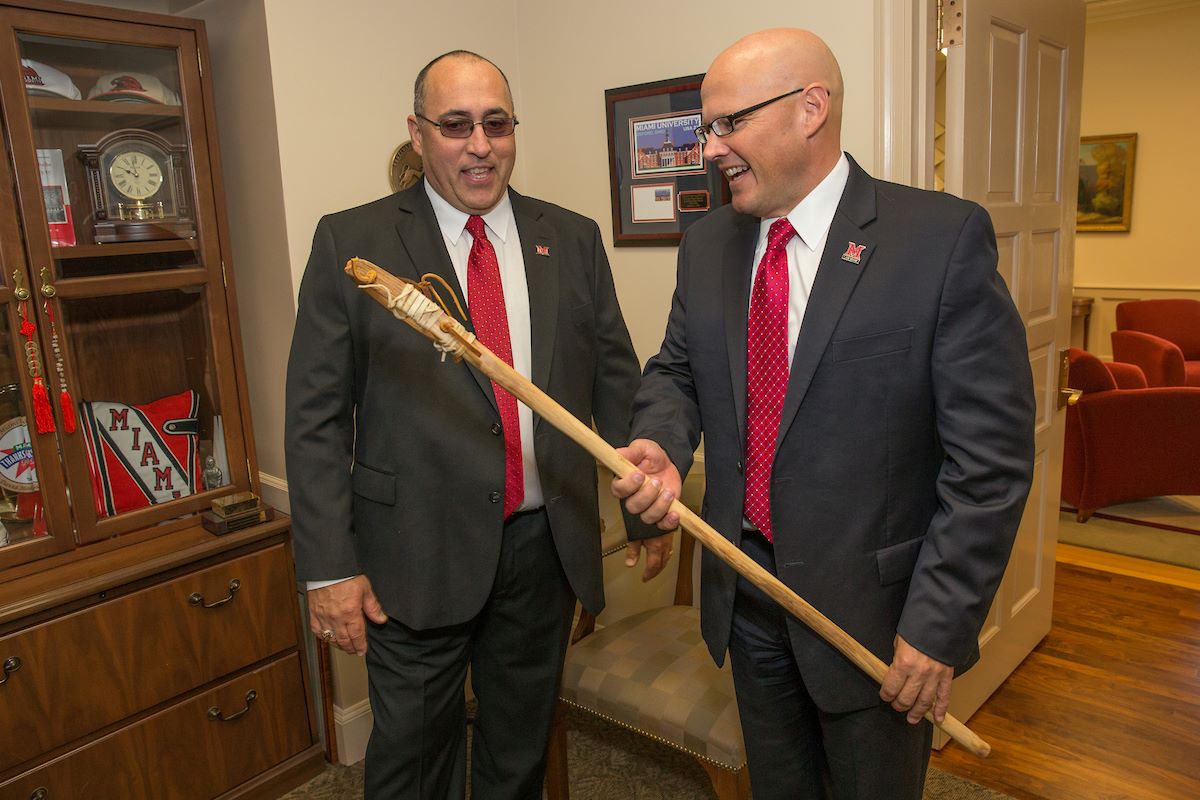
point(728, 785)
point(557, 781)
point(1083, 515)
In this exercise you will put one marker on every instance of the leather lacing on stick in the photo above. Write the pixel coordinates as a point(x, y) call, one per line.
point(427, 288)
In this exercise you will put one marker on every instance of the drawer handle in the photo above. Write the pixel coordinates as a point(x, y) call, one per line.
point(40, 793)
point(11, 664)
point(197, 599)
point(215, 714)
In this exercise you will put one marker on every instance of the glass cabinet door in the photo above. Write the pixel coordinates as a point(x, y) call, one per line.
point(125, 262)
point(34, 520)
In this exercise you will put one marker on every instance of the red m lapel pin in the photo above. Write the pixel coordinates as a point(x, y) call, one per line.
point(542, 249)
point(853, 252)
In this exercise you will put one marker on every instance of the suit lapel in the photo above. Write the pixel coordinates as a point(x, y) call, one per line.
point(735, 279)
point(835, 282)
point(422, 240)
point(539, 250)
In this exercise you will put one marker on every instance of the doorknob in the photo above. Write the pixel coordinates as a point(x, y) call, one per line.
point(1066, 395)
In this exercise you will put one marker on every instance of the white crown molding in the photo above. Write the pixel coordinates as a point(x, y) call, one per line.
point(1105, 10)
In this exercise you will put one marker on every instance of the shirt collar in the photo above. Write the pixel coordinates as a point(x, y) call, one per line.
point(813, 215)
point(454, 222)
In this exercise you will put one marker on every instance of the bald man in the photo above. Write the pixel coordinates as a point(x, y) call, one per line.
point(438, 523)
point(860, 376)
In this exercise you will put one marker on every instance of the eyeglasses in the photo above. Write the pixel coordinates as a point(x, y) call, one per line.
point(463, 127)
point(723, 126)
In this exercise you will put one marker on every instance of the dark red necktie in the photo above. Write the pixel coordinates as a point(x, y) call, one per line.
point(766, 372)
point(485, 296)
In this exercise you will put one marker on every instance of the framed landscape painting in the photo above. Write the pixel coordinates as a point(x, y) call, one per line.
point(1106, 182)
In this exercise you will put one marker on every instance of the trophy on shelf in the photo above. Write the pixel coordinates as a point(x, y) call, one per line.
point(234, 512)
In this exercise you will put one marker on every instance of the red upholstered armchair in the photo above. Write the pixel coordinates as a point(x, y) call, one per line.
point(1162, 337)
point(1125, 441)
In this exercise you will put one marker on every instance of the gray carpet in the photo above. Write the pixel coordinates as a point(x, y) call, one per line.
point(611, 763)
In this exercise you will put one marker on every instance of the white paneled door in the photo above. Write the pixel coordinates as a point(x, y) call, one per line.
point(1012, 131)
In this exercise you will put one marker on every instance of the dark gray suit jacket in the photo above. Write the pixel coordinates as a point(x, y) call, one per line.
point(905, 450)
point(395, 459)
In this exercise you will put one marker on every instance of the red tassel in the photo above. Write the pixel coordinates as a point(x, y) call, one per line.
point(41, 407)
point(67, 406)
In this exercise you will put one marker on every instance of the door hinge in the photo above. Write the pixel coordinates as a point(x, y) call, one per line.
point(224, 280)
point(950, 28)
point(199, 62)
point(1066, 395)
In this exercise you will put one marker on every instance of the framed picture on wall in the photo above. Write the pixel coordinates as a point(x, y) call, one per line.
point(660, 182)
point(1106, 182)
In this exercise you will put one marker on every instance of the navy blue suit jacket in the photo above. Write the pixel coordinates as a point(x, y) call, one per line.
point(905, 450)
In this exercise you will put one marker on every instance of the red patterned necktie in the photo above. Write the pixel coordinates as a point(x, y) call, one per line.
point(766, 372)
point(485, 296)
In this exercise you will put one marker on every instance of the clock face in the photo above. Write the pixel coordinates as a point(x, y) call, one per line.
point(137, 187)
point(135, 175)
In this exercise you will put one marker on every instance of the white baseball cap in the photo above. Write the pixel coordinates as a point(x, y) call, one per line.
point(132, 87)
point(46, 81)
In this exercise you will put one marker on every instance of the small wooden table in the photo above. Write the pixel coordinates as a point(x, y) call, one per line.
point(1082, 307)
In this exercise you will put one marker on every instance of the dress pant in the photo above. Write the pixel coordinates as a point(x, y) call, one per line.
point(796, 751)
point(515, 648)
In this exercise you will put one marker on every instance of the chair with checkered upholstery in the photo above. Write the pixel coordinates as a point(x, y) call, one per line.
point(651, 673)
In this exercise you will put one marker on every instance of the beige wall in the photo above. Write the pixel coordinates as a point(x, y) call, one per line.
point(1140, 77)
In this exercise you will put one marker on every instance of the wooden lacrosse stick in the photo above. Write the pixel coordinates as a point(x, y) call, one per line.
point(405, 300)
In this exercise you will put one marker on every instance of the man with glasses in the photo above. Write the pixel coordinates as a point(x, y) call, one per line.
point(424, 497)
point(860, 375)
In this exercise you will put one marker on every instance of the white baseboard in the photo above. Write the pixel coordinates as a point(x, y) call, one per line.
point(275, 492)
point(352, 726)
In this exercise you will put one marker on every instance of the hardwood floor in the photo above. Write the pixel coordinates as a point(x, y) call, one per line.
point(1108, 705)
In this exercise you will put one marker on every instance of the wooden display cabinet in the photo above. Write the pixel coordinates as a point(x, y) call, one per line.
point(140, 655)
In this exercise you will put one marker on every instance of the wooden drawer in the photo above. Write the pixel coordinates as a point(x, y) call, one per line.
point(99, 665)
point(180, 752)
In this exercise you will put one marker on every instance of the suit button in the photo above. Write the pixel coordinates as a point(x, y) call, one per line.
point(495, 497)
point(496, 429)
point(740, 469)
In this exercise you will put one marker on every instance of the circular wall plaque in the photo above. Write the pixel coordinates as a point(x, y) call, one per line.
point(405, 168)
